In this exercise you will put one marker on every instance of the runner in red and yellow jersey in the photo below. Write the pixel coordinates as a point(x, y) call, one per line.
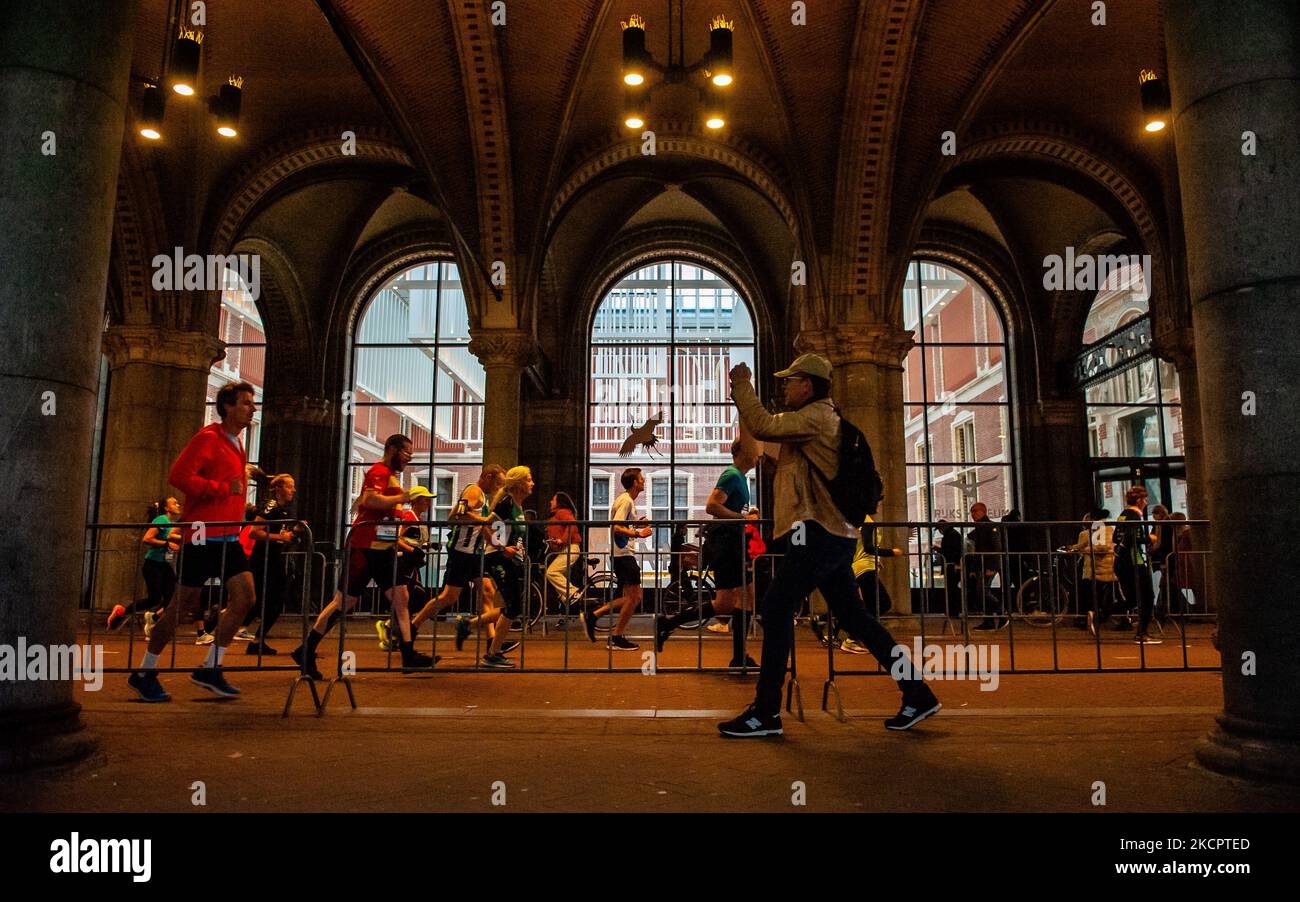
point(372, 554)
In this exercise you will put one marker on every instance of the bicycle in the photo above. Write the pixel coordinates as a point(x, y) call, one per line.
point(1036, 603)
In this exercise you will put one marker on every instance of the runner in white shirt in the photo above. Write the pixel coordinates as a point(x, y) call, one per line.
point(627, 570)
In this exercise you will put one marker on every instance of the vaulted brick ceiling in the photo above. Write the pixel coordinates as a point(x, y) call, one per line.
point(844, 113)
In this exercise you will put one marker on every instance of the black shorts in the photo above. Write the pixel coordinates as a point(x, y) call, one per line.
point(508, 577)
point(724, 555)
point(199, 563)
point(365, 564)
point(462, 569)
point(627, 571)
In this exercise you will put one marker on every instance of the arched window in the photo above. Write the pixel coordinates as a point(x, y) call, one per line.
point(663, 341)
point(240, 327)
point(1135, 414)
point(412, 373)
point(956, 397)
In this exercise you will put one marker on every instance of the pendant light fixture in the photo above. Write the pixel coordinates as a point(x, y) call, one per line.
point(186, 52)
point(151, 112)
point(226, 107)
point(640, 69)
point(1155, 101)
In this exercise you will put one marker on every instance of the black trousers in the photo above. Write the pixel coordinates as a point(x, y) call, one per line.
point(160, 582)
point(822, 562)
point(1135, 583)
point(269, 584)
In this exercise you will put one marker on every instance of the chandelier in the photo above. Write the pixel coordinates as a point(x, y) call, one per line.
point(642, 74)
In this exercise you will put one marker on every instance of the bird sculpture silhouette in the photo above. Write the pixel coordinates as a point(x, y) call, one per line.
point(643, 435)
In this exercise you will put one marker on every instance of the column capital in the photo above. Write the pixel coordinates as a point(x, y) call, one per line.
point(503, 347)
point(1178, 346)
point(161, 347)
point(1059, 411)
point(308, 410)
point(859, 343)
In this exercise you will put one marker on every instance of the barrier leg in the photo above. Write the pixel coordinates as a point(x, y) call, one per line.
point(793, 697)
point(329, 689)
point(827, 688)
point(293, 687)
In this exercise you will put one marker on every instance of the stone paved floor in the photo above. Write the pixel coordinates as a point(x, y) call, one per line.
point(629, 742)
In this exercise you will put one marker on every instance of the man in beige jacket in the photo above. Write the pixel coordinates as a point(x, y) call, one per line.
point(818, 544)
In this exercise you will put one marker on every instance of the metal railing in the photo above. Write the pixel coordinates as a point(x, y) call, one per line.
point(1036, 595)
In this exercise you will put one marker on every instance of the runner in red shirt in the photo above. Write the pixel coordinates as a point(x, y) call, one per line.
point(213, 473)
point(372, 554)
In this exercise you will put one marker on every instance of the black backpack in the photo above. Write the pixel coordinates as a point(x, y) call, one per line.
point(857, 487)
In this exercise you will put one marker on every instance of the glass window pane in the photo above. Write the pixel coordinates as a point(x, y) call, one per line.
point(394, 375)
point(1124, 431)
point(702, 372)
point(629, 374)
point(1135, 385)
point(1174, 439)
point(453, 315)
point(703, 433)
point(1122, 299)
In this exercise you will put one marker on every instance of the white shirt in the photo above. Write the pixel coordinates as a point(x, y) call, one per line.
point(623, 511)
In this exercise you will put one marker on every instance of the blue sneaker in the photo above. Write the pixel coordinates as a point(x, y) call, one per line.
point(210, 678)
point(146, 685)
point(498, 662)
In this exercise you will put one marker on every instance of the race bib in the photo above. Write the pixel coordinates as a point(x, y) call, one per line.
point(386, 533)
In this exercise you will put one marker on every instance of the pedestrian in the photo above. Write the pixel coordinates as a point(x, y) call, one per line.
point(820, 543)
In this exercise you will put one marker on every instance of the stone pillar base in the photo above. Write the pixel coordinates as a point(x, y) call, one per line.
point(45, 737)
point(1253, 750)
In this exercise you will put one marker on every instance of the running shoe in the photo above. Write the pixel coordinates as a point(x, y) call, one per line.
point(622, 643)
point(416, 660)
point(913, 712)
point(498, 662)
point(462, 632)
point(589, 624)
point(150, 621)
point(854, 647)
point(245, 636)
point(205, 639)
point(718, 626)
point(751, 724)
point(1144, 639)
point(509, 646)
point(117, 617)
point(210, 678)
point(385, 630)
point(255, 647)
point(308, 665)
point(146, 685)
point(749, 662)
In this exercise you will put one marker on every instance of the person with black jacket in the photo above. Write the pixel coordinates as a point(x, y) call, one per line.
point(951, 548)
point(982, 565)
point(1132, 560)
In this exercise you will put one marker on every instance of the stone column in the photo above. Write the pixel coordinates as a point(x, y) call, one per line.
point(554, 444)
point(505, 354)
point(301, 437)
point(157, 391)
point(868, 389)
point(1234, 69)
point(1179, 349)
point(63, 87)
point(1055, 483)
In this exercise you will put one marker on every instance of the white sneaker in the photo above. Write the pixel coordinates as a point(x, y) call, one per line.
point(244, 635)
point(853, 647)
point(205, 639)
point(150, 621)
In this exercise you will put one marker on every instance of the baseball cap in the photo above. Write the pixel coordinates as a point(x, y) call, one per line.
point(807, 365)
point(418, 491)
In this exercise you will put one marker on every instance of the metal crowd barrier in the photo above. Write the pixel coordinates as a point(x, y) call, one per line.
point(211, 595)
point(1040, 591)
point(668, 595)
point(1037, 592)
